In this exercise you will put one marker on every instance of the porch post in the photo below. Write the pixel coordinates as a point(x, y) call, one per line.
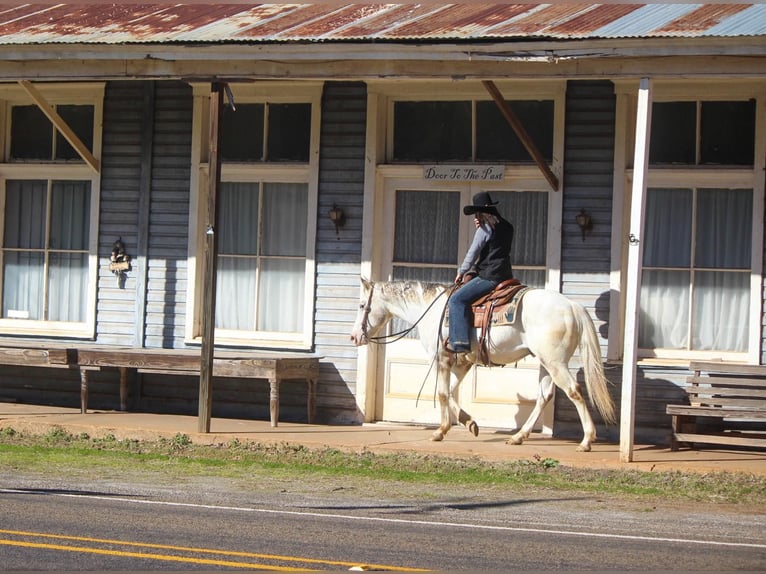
point(211, 256)
point(635, 256)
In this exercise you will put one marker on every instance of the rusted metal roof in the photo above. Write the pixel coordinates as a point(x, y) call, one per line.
point(121, 23)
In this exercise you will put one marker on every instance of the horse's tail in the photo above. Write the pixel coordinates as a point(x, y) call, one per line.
point(595, 379)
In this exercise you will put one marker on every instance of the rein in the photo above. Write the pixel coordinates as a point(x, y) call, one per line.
point(393, 337)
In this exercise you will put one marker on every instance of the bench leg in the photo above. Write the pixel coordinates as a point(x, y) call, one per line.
point(681, 424)
point(83, 391)
point(311, 400)
point(123, 388)
point(274, 401)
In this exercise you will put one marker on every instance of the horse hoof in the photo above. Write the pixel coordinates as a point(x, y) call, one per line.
point(437, 436)
point(583, 448)
point(515, 440)
point(474, 428)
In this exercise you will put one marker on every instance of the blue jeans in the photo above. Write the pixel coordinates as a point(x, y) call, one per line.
point(460, 316)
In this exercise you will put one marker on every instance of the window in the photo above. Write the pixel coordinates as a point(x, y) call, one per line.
point(703, 133)
point(264, 281)
point(34, 138)
point(49, 200)
point(262, 256)
point(695, 293)
point(700, 295)
point(444, 131)
point(266, 132)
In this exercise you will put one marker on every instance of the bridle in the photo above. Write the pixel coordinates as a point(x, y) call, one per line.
point(393, 337)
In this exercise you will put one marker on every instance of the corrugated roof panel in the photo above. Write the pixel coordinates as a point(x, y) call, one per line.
point(699, 20)
point(120, 23)
point(644, 21)
point(329, 23)
point(537, 22)
point(587, 23)
point(749, 22)
point(456, 21)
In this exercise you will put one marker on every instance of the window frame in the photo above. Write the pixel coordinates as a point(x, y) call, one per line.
point(86, 93)
point(691, 176)
point(256, 171)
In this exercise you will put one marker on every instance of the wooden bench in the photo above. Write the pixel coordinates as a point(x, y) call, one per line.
point(274, 367)
point(730, 392)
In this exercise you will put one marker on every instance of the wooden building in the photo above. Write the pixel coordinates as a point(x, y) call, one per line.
point(386, 113)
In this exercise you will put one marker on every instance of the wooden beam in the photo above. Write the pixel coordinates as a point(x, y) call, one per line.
point(61, 125)
point(522, 134)
point(635, 256)
point(211, 252)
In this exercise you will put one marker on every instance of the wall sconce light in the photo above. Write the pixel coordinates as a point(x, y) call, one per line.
point(119, 262)
point(585, 223)
point(337, 216)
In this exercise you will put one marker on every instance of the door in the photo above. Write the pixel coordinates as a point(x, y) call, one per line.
point(426, 238)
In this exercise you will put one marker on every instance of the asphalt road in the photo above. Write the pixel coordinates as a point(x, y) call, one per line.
point(76, 524)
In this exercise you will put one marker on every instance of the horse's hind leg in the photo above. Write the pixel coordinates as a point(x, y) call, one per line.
point(566, 382)
point(544, 395)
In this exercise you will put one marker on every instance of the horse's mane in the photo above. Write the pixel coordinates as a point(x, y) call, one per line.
point(426, 290)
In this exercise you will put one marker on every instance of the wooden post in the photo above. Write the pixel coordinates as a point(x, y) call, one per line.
point(635, 255)
point(211, 253)
point(521, 133)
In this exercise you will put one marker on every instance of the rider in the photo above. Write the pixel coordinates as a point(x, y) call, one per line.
point(488, 260)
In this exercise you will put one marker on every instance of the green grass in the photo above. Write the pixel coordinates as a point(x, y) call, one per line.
point(249, 463)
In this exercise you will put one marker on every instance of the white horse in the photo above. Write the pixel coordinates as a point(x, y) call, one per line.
point(548, 326)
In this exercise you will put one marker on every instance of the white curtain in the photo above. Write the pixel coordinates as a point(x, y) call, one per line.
point(262, 257)
point(34, 232)
point(695, 292)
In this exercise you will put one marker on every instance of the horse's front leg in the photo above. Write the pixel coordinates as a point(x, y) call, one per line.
point(449, 367)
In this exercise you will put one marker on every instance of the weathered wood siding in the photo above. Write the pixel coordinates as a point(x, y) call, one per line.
point(168, 228)
point(341, 182)
point(587, 184)
point(123, 137)
point(145, 201)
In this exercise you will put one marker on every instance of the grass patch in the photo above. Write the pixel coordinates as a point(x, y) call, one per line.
point(250, 462)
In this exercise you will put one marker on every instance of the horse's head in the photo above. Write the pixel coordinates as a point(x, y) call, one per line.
point(372, 315)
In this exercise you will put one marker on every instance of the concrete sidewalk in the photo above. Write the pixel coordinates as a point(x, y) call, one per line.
point(379, 437)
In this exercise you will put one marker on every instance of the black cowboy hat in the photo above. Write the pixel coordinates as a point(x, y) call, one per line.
point(481, 202)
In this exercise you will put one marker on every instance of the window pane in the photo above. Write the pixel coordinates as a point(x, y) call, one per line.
point(531, 277)
point(25, 206)
point(668, 228)
point(674, 133)
point(426, 227)
point(528, 212)
point(724, 228)
point(23, 285)
point(289, 132)
point(728, 133)
point(31, 134)
point(285, 219)
point(80, 120)
point(242, 133)
point(235, 293)
point(70, 215)
point(238, 210)
point(282, 292)
point(496, 140)
point(720, 311)
point(432, 131)
point(68, 286)
point(663, 320)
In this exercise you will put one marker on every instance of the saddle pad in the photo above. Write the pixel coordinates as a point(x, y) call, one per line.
point(504, 314)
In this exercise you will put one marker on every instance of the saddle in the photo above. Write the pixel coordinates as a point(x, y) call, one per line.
point(498, 307)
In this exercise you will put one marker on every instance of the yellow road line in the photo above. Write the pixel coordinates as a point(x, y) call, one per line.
point(147, 556)
point(181, 549)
